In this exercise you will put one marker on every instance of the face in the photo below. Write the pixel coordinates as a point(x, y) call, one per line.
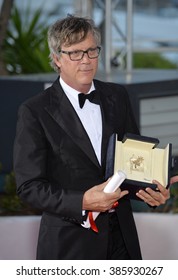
point(78, 74)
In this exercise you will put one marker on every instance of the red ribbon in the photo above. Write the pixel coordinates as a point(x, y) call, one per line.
point(92, 222)
point(115, 204)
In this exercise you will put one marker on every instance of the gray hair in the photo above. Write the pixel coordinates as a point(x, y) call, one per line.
point(68, 31)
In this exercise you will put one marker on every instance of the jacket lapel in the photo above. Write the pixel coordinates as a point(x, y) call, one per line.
point(107, 119)
point(64, 114)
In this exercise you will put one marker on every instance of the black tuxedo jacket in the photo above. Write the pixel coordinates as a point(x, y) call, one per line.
point(54, 164)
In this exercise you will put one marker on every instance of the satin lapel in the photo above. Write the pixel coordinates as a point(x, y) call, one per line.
point(107, 119)
point(64, 114)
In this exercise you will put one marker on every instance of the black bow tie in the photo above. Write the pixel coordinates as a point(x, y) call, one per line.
point(92, 97)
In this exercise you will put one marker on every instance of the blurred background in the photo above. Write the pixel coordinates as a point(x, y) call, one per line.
point(136, 33)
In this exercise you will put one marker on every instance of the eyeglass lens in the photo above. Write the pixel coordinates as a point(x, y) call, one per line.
point(92, 53)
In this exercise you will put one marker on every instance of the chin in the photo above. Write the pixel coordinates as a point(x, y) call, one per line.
point(87, 78)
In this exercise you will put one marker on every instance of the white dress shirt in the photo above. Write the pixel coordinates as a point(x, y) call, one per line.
point(90, 116)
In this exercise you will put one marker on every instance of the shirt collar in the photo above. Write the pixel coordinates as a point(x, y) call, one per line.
point(71, 93)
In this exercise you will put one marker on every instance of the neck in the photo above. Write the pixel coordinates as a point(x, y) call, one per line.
point(84, 88)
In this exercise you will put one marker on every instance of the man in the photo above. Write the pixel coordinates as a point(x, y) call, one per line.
point(60, 153)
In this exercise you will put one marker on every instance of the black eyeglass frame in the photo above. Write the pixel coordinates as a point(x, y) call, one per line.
point(69, 53)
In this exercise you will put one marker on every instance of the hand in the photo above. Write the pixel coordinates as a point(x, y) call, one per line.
point(95, 199)
point(174, 179)
point(154, 198)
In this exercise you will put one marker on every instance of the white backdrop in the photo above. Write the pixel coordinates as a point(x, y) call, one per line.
point(158, 234)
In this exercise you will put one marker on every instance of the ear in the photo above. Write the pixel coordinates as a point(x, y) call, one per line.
point(57, 60)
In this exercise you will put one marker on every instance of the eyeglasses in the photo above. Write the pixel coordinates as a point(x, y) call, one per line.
point(79, 54)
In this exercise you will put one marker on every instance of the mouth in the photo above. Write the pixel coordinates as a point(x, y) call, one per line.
point(86, 70)
point(90, 69)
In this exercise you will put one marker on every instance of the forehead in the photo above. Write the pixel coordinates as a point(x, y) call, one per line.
point(87, 42)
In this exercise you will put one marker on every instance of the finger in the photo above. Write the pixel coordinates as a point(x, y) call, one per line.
point(106, 182)
point(101, 186)
point(153, 198)
point(164, 191)
point(159, 197)
point(152, 193)
point(160, 187)
point(174, 179)
point(148, 198)
point(123, 193)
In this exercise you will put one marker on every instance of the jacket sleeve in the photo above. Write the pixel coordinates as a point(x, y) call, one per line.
point(30, 167)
